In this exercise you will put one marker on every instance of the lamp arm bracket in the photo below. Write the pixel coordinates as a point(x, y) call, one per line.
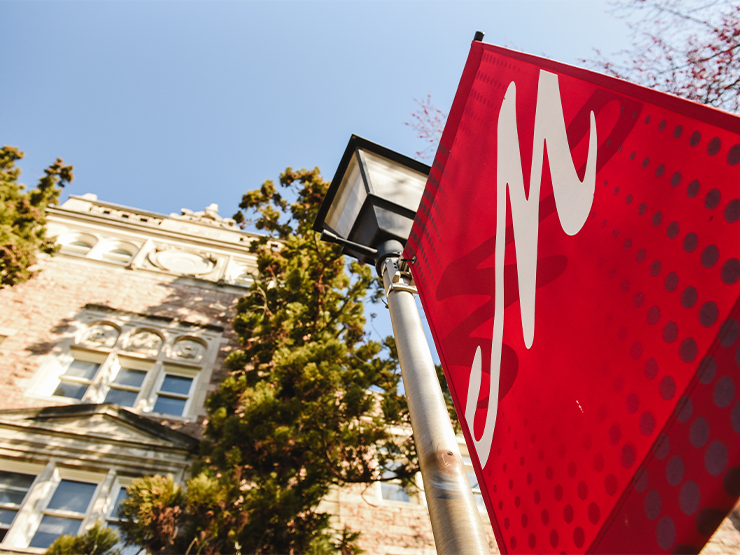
point(401, 278)
point(329, 237)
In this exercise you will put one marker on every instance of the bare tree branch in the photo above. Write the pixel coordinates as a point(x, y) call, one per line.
point(684, 47)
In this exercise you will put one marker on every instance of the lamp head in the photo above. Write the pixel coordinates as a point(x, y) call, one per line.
point(372, 200)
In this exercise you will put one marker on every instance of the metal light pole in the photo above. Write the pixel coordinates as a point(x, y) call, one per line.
point(369, 210)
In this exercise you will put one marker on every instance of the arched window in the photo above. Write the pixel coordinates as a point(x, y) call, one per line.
point(118, 252)
point(78, 244)
point(117, 256)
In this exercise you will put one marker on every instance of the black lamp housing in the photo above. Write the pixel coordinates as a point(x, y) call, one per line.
point(372, 200)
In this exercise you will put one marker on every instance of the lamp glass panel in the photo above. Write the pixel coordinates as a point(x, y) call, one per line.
point(394, 182)
point(348, 201)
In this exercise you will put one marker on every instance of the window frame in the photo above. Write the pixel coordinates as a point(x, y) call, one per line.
point(111, 361)
point(115, 352)
point(111, 505)
point(411, 498)
point(116, 255)
point(111, 520)
point(477, 493)
point(103, 250)
point(76, 354)
point(240, 274)
point(59, 475)
point(68, 240)
point(32, 471)
point(397, 488)
point(180, 371)
point(120, 362)
point(47, 479)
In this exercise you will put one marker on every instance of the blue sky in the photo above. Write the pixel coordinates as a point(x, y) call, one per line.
point(169, 105)
point(164, 105)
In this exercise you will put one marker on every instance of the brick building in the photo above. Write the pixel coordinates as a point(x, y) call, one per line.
point(106, 358)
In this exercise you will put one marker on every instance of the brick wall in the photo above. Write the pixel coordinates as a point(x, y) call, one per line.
point(388, 527)
point(40, 310)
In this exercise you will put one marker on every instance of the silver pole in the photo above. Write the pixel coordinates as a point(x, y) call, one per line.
point(456, 521)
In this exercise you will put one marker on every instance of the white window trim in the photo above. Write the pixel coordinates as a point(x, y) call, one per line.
point(414, 498)
point(119, 483)
point(236, 267)
point(25, 521)
point(69, 237)
point(36, 501)
point(98, 245)
point(105, 246)
point(83, 355)
point(48, 377)
point(35, 504)
point(180, 371)
point(30, 469)
point(470, 469)
point(59, 474)
point(120, 361)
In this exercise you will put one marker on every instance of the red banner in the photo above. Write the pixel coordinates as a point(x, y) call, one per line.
point(577, 256)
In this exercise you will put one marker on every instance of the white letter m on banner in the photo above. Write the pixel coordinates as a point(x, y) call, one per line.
point(573, 200)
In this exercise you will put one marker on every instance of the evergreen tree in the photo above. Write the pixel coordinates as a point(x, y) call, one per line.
point(309, 402)
point(23, 216)
point(98, 540)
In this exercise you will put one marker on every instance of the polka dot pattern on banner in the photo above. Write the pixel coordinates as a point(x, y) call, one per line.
point(694, 428)
point(651, 446)
point(732, 211)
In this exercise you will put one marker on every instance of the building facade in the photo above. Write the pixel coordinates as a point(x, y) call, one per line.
point(106, 358)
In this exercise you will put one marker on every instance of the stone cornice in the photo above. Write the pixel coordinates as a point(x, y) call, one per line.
point(154, 231)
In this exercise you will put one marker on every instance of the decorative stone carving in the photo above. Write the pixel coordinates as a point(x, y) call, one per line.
point(180, 261)
point(189, 350)
point(101, 335)
point(145, 342)
point(209, 216)
point(241, 275)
